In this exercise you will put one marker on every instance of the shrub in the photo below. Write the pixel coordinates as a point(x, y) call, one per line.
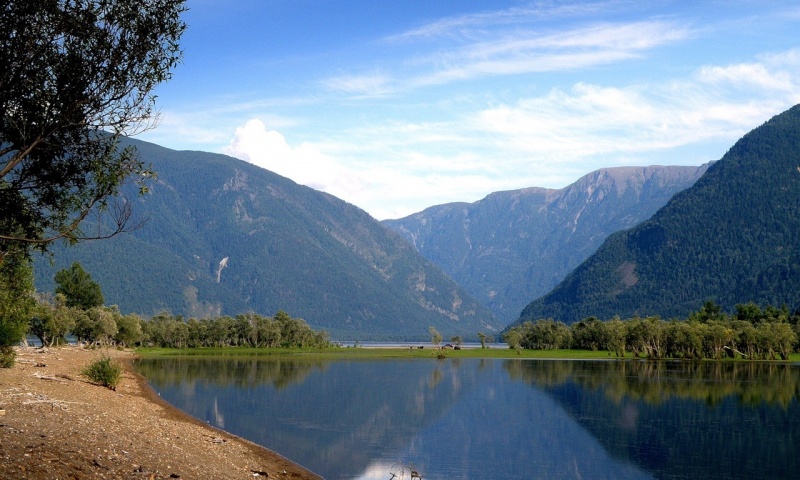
point(105, 371)
point(7, 356)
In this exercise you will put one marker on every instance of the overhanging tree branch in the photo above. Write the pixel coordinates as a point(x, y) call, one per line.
point(77, 75)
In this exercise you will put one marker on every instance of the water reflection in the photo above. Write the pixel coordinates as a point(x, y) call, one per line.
point(655, 382)
point(680, 419)
point(482, 419)
point(229, 371)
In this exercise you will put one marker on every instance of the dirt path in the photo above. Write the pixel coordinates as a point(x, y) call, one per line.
point(54, 424)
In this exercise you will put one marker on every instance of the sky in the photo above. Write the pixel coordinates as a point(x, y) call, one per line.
point(398, 105)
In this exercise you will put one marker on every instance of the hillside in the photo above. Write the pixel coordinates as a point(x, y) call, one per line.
point(731, 238)
point(282, 245)
point(516, 245)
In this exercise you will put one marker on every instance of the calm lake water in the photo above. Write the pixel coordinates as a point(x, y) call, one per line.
point(500, 419)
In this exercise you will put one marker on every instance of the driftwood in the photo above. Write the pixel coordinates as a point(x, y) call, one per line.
point(735, 351)
point(43, 399)
point(54, 378)
point(217, 440)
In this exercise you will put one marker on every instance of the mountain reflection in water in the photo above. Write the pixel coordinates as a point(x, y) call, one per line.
point(482, 419)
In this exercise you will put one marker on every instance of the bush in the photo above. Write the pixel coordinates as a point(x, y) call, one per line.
point(7, 356)
point(106, 372)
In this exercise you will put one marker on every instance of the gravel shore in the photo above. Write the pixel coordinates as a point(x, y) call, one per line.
point(55, 424)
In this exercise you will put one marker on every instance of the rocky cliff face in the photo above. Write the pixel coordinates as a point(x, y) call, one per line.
point(516, 245)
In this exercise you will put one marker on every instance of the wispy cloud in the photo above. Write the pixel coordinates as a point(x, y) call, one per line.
point(717, 103)
point(499, 52)
point(369, 85)
point(476, 24)
point(773, 73)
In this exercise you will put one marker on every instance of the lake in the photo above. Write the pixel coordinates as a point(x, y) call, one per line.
point(500, 419)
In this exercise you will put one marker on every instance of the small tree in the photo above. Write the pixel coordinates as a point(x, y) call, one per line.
point(78, 288)
point(436, 340)
point(51, 322)
point(513, 338)
point(129, 330)
point(16, 302)
point(104, 324)
point(616, 336)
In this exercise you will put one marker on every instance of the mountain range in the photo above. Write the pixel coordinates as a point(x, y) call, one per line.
point(223, 236)
point(732, 238)
point(514, 246)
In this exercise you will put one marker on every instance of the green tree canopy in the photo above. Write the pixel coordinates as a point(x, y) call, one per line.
point(77, 75)
point(16, 302)
point(78, 288)
point(52, 321)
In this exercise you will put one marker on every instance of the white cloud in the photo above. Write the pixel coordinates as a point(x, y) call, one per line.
point(748, 76)
point(304, 163)
point(401, 183)
point(775, 73)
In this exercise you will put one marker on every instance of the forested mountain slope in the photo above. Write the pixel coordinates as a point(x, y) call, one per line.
point(226, 237)
point(516, 245)
point(733, 237)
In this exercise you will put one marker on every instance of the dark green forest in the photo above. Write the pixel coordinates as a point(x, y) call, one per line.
point(731, 238)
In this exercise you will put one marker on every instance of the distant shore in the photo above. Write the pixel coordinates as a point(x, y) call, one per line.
point(362, 351)
point(420, 350)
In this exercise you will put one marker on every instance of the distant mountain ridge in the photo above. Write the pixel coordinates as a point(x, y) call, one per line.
point(733, 237)
point(226, 237)
point(516, 245)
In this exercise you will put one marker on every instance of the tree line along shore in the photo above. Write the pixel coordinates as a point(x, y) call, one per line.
point(751, 332)
point(76, 309)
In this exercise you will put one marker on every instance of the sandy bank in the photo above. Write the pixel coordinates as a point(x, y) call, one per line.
point(55, 424)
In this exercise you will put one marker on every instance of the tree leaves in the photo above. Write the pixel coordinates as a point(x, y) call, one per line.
point(76, 75)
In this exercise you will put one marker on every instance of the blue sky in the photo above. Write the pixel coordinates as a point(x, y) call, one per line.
point(395, 106)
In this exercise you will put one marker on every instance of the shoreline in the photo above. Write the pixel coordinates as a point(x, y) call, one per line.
point(56, 424)
point(153, 397)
